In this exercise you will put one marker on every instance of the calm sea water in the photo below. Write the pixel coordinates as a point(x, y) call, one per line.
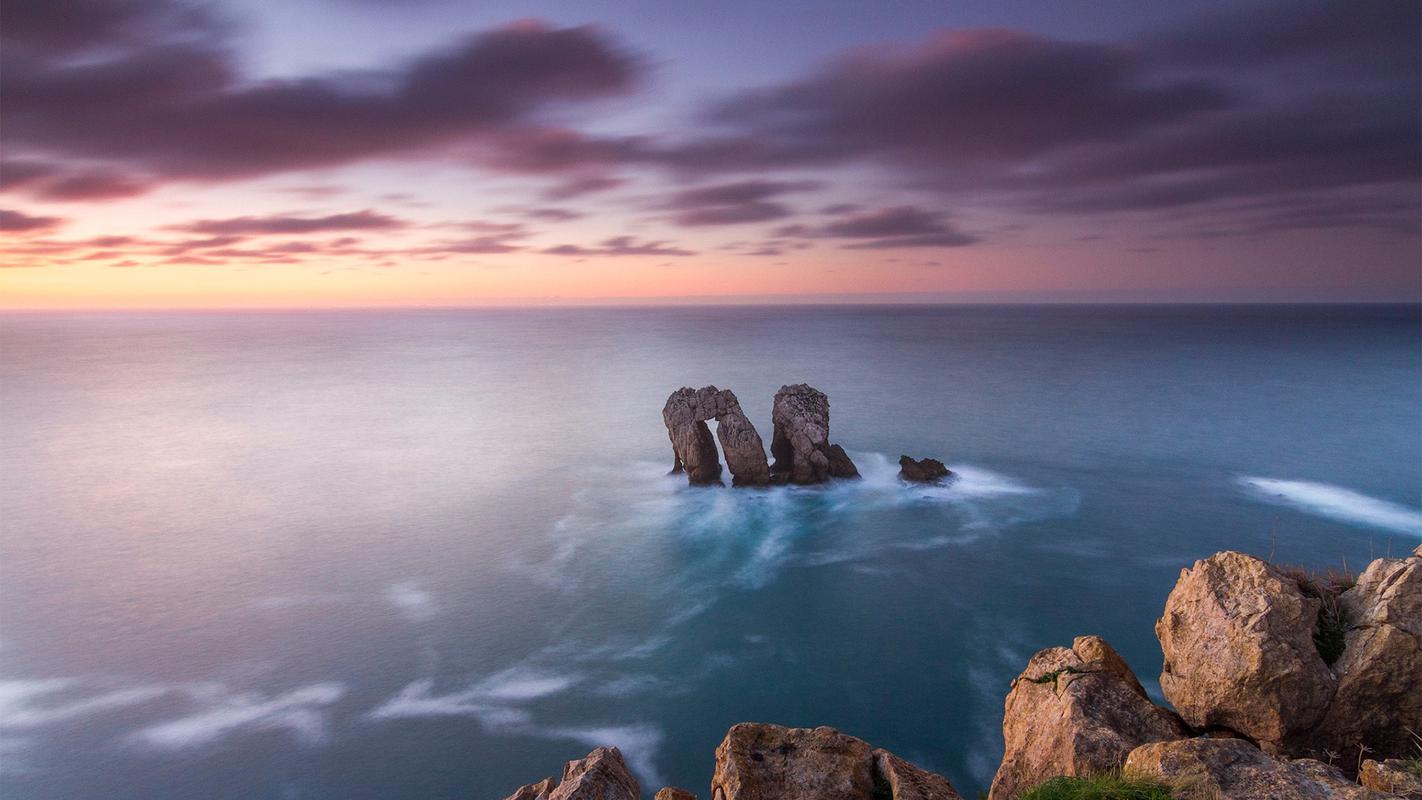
point(435, 554)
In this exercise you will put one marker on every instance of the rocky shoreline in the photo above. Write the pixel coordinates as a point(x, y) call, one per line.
point(1282, 687)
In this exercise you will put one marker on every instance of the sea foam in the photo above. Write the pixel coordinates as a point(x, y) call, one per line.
point(1335, 502)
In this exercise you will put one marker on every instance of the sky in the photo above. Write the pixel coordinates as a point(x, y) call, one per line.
point(347, 153)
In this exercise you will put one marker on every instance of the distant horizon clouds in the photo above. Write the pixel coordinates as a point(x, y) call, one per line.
point(1261, 151)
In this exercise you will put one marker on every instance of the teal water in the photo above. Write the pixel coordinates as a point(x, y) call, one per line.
point(435, 554)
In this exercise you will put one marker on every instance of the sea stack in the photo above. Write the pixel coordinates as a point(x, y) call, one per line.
point(928, 470)
point(801, 447)
point(693, 448)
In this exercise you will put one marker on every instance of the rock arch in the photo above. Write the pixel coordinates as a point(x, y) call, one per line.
point(693, 448)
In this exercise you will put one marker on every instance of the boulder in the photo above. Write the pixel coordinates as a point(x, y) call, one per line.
point(673, 793)
point(694, 450)
point(1234, 769)
point(1379, 697)
point(1392, 776)
point(603, 775)
point(928, 470)
point(757, 761)
point(1075, 712)
point(534, 791)
point(1239, 652)
point(800, 444)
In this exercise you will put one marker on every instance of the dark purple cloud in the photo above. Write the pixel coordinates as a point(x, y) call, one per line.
point(12, 221)
point(366, 220)
point(733, 203)
point(171, 101)
point(899, 226)
point(620, 246)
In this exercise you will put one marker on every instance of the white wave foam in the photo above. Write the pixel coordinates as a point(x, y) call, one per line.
point(494, 701)
point(415, 603)
point(19, 709)
point(300, 712)
point(1338, 503)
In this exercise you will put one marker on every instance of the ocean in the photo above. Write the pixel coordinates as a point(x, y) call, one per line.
point(435, 554)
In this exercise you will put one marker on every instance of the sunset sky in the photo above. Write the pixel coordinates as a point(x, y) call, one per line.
point(258, 153)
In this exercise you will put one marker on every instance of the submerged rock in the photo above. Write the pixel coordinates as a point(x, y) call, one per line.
point(1379, 697)
point(1075, 712)
point(1237, 635)
point(603, 775)
point(694, 450)
point(1392, 776)
point(928, 470)
point(800, 444)
point(757, 761)
point(1233, 769)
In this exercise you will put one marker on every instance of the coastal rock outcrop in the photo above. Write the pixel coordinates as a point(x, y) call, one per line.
point(757, 761)
point(1075, 712)
point(1233, 769)
point(1391, 776)
point(694, 450)
point(1237, 635)
point(800, 444)
point(1379, 696)
point(673, 793)
point(928, 470)
point(603, 775)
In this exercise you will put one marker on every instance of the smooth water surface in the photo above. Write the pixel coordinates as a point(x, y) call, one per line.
point(435, 554)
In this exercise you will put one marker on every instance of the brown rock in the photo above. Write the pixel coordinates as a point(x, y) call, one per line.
point(1233, 769)
point(534, 791)
point(769, 762)
point(1379, 697)
point(673, 793)
point(800, 443)
point(1238, 641)
point(693, 448)
point(603, 775)
point(1392, 776)
point(907, 782)
point(1075, 711)
point(928, 470)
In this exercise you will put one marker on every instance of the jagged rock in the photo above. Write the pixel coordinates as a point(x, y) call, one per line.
point(1234, 769)
point(603, 775)
point(534, 791)
point(693, 448)
point(800, 443)
point(673, 793)
point(1392, 776)
point(1075, 711)
point(928, 470)
point(757, 761)
point(907, 782)
point(1379, 697)
point(1239, 653)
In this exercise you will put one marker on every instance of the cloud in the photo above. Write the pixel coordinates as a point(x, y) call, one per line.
point(12, 221)
point(620, 246)
point(898, 226)
point(300, 712)
point(582, 185)
point(733, 203)
point(149, 86)
point(286, 224)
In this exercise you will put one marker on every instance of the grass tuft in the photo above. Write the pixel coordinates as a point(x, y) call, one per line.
point(1330, 633)
point(1100, 787)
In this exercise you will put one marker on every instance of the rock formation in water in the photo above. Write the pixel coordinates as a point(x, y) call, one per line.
point(603, 775)
point(928, 470)
point(769, 762)
point(1234, 769)
point(800, 444)
point(1075, 712)
point(693, 448)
